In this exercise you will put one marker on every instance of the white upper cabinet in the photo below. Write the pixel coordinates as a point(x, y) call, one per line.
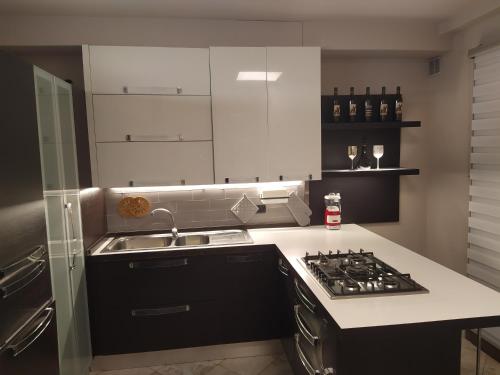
point(294, 112)
point(266, 111)
point(239, 113)
point(161, 118)
point(149, 70)
point(155, 163)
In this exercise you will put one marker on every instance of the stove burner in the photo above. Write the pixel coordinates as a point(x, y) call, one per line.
point(354, 274)
point(350, 286)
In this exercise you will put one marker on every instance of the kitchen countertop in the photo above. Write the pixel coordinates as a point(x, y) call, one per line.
point(452, 296)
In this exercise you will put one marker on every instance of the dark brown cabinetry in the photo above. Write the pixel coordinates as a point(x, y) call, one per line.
point(143, 302)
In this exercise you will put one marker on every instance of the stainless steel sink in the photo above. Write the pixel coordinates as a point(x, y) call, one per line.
point(139, 242)
point(166, 241)
point(192, 240)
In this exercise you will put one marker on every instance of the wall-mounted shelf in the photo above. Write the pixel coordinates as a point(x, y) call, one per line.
point(369, 125)
point(368, 196)
point(370, 172)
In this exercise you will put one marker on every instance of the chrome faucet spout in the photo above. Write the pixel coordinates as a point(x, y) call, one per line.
point(175, 231)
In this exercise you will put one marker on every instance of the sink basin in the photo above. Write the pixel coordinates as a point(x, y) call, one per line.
point(139, 243)
point(166, 242)
point(192, 240)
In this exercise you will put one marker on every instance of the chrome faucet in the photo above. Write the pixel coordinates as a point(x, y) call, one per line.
point(175, 232)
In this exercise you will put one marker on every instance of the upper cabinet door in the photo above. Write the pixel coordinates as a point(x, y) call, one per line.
point(155, 163)
point(159, 118)
point(239, 113)
point(294, 112)
point(149, 70)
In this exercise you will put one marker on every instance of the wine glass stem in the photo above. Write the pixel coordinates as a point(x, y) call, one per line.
point(352, 164)
point(378, 166)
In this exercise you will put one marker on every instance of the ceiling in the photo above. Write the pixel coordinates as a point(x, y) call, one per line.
point(240, 9)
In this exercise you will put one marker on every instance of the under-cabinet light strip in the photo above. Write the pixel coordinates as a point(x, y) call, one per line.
point(258, 185)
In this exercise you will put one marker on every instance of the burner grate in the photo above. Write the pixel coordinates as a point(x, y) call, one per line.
point(349, 274)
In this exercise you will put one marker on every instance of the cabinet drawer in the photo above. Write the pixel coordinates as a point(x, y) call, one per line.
point(155, 163)
point(158, 327)
point(151, 282)
point(152, 118)
point(149, 70)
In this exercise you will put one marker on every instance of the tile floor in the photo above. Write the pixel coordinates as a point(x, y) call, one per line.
point(278, 365)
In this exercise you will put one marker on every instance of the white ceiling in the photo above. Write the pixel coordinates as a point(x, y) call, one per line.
point(241, 9)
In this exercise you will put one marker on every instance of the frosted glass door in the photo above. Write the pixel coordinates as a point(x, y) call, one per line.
point(74, 236)
point(60, 176)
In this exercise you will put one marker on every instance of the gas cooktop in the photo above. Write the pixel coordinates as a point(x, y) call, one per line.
point(358, 274)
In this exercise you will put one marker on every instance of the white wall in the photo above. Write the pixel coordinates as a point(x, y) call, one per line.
point(350, 35)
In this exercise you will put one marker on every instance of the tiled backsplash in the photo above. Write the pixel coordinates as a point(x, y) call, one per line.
point(197, 208)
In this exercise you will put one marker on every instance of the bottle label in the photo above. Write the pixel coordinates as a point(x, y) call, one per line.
point(384, 109)
point(399, 108)
point(368, 110)
point(332, 217)
point(352, 109)
point(336, 110)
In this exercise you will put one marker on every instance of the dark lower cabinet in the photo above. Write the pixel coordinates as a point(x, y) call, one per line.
point(144, 302)
point(147, 302)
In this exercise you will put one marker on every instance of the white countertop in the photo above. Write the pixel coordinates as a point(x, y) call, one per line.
point(452, 295)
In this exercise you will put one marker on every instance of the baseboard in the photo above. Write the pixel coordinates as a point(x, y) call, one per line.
point(186, 355)
point(486, 347)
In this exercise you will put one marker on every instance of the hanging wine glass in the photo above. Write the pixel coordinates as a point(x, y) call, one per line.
point(352, 151)
point(378, 152)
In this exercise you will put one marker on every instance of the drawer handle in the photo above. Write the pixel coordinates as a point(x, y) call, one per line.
point(283, 270)
point(313, 340)
point(158, 90)
point(244, 258)
point(159, 264)
point(160, 311)
point(22, 278)
point(303, 299)
point(40, 325)
point(36, 254)
point(153, 138)
point(303, 359)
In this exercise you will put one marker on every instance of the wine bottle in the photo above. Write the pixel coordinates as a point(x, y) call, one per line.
point(368, 106)
point(363, 161)
point(352, 106)
point(336, 105)
point(399, 104)
point(384, 106)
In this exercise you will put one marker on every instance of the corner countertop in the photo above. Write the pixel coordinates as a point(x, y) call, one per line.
point(452, 296)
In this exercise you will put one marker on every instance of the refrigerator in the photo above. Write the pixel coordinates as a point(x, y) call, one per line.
point(28, 332)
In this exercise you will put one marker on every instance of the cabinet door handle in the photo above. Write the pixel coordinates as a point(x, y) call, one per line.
point(239, 180)
point(158, 90)
point(303, 359)
point(133, 183)
point(69, 209)
point(160, 311)
point(151, 264)
point(303, 299)
point(19, 345)
point(312, 339)
point(298, 177)
point(153, 138)
point(253, 258)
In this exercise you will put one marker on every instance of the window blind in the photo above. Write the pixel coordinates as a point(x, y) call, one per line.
point(484, 203)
